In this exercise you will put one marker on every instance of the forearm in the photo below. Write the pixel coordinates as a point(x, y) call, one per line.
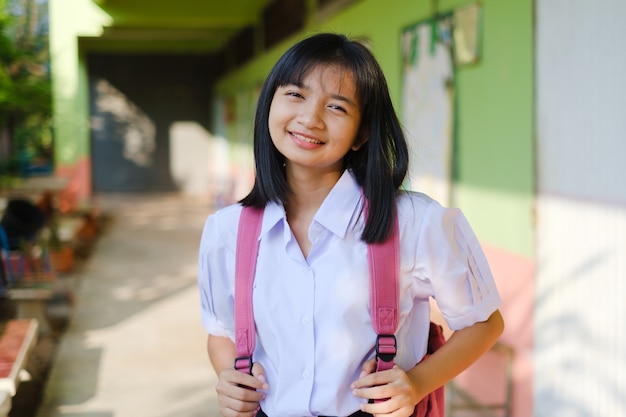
point(221, 353)
point(462, 349)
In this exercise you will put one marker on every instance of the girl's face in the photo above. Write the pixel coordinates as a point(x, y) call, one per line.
point(315, 124)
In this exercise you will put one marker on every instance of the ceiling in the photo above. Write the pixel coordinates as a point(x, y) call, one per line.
point(182, 26)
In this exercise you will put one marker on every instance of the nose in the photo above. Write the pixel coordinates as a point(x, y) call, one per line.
point(310, 115)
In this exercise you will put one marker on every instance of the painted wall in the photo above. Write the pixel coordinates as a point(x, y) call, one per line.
point(494, 159)
point(495, 109)
point(135, 102)
point(75, 27)
point(580, 350)
point(70, 95)
point(494, 165)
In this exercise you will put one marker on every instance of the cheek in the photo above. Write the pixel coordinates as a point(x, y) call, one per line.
point(356, 139)
point(277, 115)
point(272, 121)
point(276, 130)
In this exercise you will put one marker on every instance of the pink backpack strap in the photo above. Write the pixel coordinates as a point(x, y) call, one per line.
point(384, 270)
point(247, 250)
point(383, 267)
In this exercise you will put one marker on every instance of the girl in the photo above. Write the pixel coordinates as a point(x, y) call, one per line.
point(327, 141)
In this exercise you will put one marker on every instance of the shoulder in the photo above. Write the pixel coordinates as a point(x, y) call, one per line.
point(422, 214)
point(414, 199)
point(229, 213)
point(414, 206)
point(220, 228)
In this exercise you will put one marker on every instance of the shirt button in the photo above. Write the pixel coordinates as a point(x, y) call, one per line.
point(305, 374)
point(304, 319)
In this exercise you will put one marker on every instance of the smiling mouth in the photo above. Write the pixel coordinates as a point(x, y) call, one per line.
point(305, 139)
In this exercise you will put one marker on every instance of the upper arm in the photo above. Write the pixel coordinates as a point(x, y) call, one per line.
point(215, 273)
point(451, 262)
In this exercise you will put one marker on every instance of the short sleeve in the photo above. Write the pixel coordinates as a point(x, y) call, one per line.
point(215, 274)
point(452, 261)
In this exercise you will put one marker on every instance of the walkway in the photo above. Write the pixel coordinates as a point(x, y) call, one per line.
point(135, 346)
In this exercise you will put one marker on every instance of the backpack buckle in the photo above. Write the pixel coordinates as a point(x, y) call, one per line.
point(244, 364)
point(386, 347)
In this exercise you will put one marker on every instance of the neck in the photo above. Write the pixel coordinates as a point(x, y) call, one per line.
point(308, 194)
point(311, 189)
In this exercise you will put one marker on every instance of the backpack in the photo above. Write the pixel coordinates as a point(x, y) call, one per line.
point(383, 261)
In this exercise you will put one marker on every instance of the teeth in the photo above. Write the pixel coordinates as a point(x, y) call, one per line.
point(309, 140)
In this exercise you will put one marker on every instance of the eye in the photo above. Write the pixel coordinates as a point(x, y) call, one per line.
point(337, 108)
point(290, 91)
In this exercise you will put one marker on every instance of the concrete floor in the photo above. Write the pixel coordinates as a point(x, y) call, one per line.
point(135, 346)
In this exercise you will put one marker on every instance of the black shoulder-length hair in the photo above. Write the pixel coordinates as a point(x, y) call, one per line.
point(379, 166)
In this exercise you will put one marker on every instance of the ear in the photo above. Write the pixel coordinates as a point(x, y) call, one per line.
point(359, 141)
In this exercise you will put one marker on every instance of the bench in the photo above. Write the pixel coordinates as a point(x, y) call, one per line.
point(29, 267)
point(28, 272)
point(29, 288)
point(30, 300)
point(17, 339)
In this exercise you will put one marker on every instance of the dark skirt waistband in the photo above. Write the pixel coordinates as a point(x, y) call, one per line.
point(357, 414)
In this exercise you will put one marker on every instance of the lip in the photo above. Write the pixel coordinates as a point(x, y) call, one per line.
point(305, 140)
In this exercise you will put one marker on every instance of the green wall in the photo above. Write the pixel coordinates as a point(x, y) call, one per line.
point(494, 149)
point(495, 169)
point(70, 19)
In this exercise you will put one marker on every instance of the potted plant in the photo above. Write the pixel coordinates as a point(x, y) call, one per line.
point(60, 251)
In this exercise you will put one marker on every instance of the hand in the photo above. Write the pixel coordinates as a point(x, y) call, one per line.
point(393, 387)
point(239, 394)
point(368, 367)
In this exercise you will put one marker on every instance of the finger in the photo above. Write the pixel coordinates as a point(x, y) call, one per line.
point(252, 382)
point(240, 385)
point(368, 367)
point(370, 393)
point(374, 378)
point(259, 373)
point(391, 407)
point(229, 407)
point(377, 408)
point(239, 402)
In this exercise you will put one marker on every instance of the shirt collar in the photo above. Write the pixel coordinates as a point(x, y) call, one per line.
point(336, 212)
point(338, 209)
point(274, 213)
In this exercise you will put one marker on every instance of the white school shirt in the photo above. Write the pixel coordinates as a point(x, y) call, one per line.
point(312, 315)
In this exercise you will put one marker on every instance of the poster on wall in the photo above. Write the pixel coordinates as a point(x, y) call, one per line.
point(428, 105)
point(467, 34)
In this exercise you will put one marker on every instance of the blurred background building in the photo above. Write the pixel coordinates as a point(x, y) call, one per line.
point(514, 111)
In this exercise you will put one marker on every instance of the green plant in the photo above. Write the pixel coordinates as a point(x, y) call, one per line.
point(53, 237)
point(59, 251)
point(25, 89)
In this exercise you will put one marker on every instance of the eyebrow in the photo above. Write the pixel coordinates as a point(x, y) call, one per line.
point(333, 96)
point(344, 99)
